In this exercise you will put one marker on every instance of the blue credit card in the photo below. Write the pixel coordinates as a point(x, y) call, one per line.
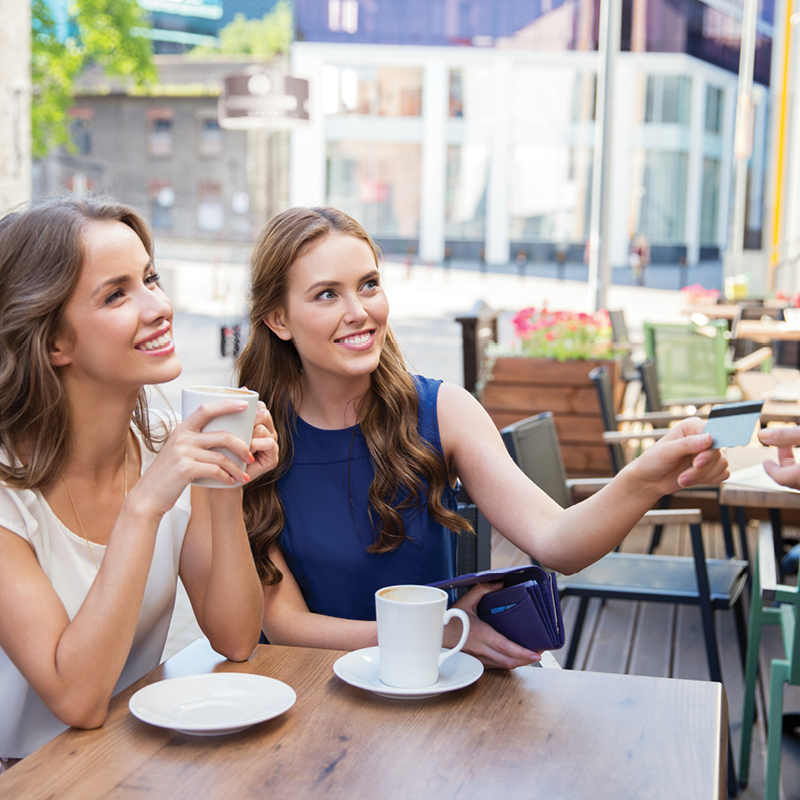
point(498, 609)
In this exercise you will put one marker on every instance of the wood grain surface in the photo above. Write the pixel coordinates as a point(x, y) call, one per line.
point(521, 734)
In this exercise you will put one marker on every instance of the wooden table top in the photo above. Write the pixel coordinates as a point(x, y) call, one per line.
point(756, 385)
point(766, 331)
point(712, 311)
point(756, 494)
point(530, 732)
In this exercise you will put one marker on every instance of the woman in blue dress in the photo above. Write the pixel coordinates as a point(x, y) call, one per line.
point(363, 496)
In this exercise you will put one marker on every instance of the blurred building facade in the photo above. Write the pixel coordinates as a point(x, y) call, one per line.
point(15, 104)
point(165, 153)
point(466, 127)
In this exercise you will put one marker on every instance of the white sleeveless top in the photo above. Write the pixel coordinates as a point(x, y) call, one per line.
point(25, 721)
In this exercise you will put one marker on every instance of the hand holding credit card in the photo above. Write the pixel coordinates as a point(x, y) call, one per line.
point(732, 424)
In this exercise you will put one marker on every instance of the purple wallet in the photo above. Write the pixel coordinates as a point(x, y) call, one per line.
point(526, 610)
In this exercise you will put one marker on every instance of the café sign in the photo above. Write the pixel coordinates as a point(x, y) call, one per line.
point(263, 98)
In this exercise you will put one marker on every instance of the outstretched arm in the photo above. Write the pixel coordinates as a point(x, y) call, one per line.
point(566, 539)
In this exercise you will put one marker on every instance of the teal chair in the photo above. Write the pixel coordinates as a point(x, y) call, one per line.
point(772, 604)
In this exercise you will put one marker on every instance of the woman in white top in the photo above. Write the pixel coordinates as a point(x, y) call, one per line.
point(97, 520)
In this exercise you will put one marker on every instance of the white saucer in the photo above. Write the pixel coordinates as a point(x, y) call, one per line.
point(211, 705)
point(362, 668)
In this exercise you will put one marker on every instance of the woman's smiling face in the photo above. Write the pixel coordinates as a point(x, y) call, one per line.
point(335, 311)
point(117, 325)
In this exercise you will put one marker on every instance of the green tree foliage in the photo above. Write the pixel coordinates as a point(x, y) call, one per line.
point(108, 32)
point(262, 38)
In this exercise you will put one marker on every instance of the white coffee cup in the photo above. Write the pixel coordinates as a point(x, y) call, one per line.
point(240, 423)
point(411, 622)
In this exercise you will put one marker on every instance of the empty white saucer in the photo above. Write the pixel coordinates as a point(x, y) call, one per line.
point(211, 705)
point(362, 669)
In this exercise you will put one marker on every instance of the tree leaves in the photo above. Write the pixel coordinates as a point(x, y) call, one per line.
point(106, 32)
point(262, 38)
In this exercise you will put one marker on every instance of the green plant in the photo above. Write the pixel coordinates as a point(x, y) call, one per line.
point(563, 335)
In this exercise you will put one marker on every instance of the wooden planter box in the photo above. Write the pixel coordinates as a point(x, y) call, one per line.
point(522, 387)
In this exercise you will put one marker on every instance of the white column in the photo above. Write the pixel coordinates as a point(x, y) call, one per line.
point(694, 177)
point(307, 148)
point(497, 206)
point(620, 179)
point(434, 161)
point(15, 108)
point(726, 168)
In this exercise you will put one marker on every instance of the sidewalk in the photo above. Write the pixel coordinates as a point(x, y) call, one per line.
point(424, 303)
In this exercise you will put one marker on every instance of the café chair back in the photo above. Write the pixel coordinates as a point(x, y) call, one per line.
point(689, 361)
point(772, 603)
point(622, 340)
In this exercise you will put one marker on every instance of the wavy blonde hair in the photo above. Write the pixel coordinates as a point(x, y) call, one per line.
point(408, 470)
point(41, 255)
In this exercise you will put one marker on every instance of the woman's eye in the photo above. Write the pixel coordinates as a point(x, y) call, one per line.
point(326, 295)
point(113, 297)
point(152, 278)
point(373, 284)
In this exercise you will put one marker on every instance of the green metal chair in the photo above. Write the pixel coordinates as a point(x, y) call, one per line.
point(772, 604)
point(690, 361)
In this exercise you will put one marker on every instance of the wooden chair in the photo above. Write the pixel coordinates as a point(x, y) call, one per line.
point(710, 584)
point(772, 604)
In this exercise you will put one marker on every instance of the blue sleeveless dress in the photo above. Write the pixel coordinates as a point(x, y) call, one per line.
point(328, 527)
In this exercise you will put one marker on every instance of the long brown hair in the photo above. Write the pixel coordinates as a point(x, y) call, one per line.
point(405, 465)
point(41, 255)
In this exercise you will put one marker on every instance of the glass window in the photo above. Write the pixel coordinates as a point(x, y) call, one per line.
point(550, 193)
point(584, 97)
point(162, 203)
point(210, 209)
point(377, 184)
point(467, 178)
point(709, 205)
point(81, 131)
point(382, 91)
point(471, 95)
point(343, 15)
point(542, 96)
point(667, 99)
point(456, 100)
point(715, 99)
point(159, 135)
point(210, 143)
point(662, 194)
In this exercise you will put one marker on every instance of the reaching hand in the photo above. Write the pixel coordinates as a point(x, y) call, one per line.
point(484, 642)
point(681, 458)
point(787, 470)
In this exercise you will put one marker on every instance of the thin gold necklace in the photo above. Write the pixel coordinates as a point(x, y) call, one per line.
point(75, 508)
